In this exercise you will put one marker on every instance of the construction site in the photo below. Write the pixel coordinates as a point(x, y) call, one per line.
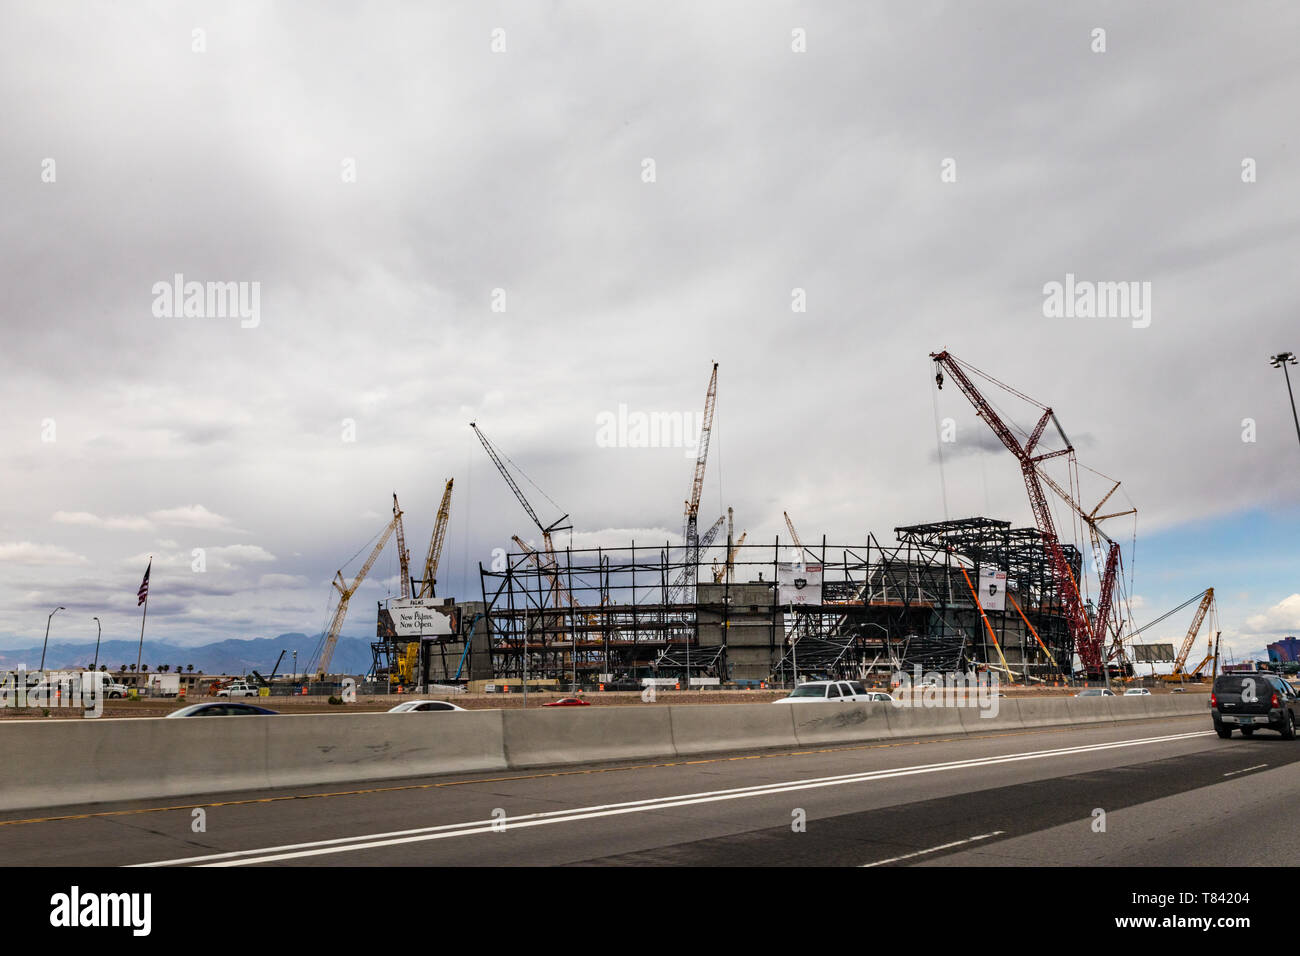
point(1045, 604)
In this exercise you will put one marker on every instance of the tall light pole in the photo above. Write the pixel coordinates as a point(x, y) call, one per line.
point(1282, 360)
point(99, 632)
point(47, 634)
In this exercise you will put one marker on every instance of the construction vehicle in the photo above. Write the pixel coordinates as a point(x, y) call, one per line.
point(691, 532)
point(1180, 672)
point(548, 551)
point(428, 584)
point(266, 681)
point(1086, 638)
point(345, 591)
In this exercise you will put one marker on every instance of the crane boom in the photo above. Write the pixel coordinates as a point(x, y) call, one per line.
point(1086, 644)
point(403, 556)
point(793, 534)
point(505, 473)
point(722, 572)
point(687, 573)
point(346, 591)
point(1180, 663)
point(431, 561)
point(692, 533)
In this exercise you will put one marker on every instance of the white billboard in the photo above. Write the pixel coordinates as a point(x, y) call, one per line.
point(421, 617)
point(993, 589)
point(798, 584)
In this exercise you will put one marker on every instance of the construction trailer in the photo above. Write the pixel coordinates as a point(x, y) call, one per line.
point(621, 615)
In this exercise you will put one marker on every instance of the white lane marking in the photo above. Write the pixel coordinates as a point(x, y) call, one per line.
point(935, 849)
point(1245, 770)
point(369, 841)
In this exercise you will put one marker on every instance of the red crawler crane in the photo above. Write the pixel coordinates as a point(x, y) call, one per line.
point(1087, 643)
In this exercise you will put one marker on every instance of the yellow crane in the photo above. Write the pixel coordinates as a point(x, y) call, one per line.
point(346, 590)
point(1180, 662)
point(722, 572)
point(793, 534)
point(403, 556)
point(427, 589)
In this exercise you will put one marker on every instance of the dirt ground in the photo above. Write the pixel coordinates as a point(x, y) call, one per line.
point(380, 703)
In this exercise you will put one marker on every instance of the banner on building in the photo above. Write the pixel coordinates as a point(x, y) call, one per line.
point(422, 617)
point(798, 584)
point(993, 589)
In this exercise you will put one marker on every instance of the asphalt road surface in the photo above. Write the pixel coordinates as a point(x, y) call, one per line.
point(1160, 792)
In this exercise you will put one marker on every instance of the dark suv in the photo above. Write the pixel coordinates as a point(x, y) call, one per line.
point(1248, 701)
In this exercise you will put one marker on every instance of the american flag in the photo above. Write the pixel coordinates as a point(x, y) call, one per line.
point(143, 593)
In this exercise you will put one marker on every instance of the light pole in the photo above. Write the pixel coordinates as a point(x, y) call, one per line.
point(47, 634)
point(1282, 360)
point(99, 632)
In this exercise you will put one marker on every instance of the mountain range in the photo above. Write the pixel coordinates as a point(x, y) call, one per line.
point(351, 655)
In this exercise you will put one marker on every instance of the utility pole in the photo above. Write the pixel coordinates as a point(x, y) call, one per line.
point(47, 636)
point(1282, 360)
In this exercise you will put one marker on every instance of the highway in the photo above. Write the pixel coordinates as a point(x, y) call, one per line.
point(1171, 792)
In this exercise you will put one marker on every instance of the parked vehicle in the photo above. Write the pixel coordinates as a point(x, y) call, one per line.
point(830, 692)
point(1137, 692)
point(1249, 701)
point(422, 706)
point(238, 688)
point(222, 710)
point(1095, 692)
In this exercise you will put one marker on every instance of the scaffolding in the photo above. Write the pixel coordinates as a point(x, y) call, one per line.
point(615, 615)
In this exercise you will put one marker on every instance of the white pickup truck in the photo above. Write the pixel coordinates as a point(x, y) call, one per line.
point(832, 692)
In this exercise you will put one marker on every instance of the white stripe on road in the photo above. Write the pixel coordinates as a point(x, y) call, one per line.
point(371, 841)
point(936, 849)
point(1246, 770)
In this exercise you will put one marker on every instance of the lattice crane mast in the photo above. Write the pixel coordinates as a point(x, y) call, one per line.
point(428, 584)
point(681, 582)
point(1086, 644)
point(692, 533)
point(793, 534)
point(546, 530)
point(403, 555)
point(346, 590)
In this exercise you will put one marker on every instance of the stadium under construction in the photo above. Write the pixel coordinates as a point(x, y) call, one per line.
point(945, 596)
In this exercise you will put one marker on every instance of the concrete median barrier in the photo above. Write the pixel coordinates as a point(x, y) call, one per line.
point(559, 735)
point(1007, 718)
point(52, 763)
point(301, 751)
point(925, 721)
point(697, 729)
point(832, 723)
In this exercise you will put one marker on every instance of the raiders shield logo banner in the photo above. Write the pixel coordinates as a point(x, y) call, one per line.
point(798, 584)
point(993, 589)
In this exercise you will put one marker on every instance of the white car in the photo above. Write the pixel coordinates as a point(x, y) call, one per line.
point(238, 688)
point(831, 692)
point(1137, 692)
point(422, 706)
point(1095, 692)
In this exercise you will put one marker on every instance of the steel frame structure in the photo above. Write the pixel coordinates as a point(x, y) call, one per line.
point(883, 606)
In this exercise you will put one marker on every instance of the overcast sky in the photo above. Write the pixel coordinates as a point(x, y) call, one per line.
point(389, 173)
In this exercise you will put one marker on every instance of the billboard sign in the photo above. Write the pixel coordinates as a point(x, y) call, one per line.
point(1152, 653)
point(993, 589)
point(422, 617)
point(798, 583)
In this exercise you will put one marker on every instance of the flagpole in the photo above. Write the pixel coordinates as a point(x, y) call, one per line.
point(143, 617)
